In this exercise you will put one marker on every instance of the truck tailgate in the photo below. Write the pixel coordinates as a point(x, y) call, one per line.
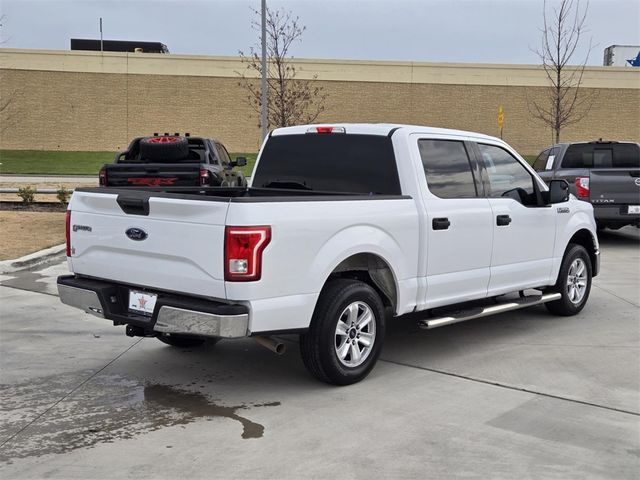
point(182, 250)
point(617, 186)
point(153, 174)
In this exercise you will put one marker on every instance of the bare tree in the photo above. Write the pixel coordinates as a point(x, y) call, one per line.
point(291, 100)
point(565, 103)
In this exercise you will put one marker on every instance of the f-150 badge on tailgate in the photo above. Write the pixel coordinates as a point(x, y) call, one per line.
point(136, 234)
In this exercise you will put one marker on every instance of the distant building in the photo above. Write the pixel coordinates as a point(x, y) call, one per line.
point(117, 46)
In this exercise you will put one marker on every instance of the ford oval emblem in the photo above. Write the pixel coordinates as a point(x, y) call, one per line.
point(136, 234)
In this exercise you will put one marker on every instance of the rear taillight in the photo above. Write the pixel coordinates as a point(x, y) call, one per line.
point(103, 177)
point(67, 230)
point(582, 187)
point(243, 247)
point(204, 176)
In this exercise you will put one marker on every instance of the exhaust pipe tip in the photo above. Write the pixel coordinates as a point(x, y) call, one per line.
point(270, 344)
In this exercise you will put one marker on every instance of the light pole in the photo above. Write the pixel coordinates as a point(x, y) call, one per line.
point(263, 96)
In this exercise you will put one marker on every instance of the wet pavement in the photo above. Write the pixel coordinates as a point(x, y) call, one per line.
point(523, 394)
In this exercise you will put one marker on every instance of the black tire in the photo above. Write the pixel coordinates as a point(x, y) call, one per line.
point(164, 148)
point(183, 341)
point(565, 306)
point(318, 345)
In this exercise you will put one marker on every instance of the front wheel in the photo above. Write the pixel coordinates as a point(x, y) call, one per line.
point(346, 334)
point(574, 282)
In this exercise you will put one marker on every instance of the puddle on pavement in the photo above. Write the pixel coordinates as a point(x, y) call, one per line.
point(196, 405)
point(38, 278)
point(26, 280)
point(106, 409)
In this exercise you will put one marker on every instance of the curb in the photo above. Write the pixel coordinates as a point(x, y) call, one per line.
point(10, 266)
point(49, 175)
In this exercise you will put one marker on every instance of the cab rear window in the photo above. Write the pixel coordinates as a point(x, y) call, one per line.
point(616, 155)
point(342, 163)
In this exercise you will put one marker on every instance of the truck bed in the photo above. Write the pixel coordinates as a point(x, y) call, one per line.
point(183, 249)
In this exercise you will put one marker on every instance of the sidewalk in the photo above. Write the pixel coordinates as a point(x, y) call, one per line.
point(10, 178)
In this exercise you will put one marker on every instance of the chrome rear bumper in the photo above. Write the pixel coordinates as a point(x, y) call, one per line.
point(190, 322)
point(174, 314)
point(86, 300)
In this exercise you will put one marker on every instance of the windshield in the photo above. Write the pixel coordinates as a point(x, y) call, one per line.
point(363, 164)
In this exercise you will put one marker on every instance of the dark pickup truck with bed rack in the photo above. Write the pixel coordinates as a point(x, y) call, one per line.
point(173, 161)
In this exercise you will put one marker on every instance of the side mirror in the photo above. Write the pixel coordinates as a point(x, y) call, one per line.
point(240, 162)
point(558, 191)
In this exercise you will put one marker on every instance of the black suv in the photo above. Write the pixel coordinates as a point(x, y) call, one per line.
point(605, 173)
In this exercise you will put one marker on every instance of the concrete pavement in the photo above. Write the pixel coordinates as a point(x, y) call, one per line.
point(79, 179)
point(523, 394)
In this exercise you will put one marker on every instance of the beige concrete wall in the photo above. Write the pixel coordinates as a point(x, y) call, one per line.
point(87, 101)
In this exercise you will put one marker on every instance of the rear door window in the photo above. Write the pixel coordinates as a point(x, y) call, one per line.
point(553, 152)
point(447, 168)
point(333, 162)
point(224, 155)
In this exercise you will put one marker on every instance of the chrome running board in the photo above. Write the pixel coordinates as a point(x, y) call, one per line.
point(478, 312)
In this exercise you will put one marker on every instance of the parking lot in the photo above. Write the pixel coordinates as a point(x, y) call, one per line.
point(523, 394)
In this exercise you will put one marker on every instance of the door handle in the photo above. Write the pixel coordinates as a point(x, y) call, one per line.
point(440, 223)
point(503, 220)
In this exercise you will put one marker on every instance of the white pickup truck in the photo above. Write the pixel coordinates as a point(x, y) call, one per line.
point(343, 228)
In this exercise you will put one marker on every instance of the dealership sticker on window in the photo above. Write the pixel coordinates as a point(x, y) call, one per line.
point(550, 160)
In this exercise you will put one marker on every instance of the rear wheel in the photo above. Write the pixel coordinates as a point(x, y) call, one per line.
point(184, 341)
point(346, 334)
point(574, 282)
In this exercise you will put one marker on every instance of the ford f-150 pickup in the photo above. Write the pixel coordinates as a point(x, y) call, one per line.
point(343, 228)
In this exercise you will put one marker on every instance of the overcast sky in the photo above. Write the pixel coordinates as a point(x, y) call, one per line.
point(485, 31)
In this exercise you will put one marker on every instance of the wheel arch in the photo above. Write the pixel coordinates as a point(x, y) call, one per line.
point(586, 239)
point(370, 268)
point(368, 253)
